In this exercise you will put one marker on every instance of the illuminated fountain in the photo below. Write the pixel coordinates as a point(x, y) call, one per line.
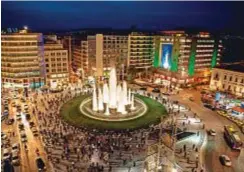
point(113, 102)
point(113, 96)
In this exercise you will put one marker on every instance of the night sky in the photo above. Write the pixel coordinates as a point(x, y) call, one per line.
point(146, 15)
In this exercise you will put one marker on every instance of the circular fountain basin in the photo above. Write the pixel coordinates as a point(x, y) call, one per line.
point(114, 116)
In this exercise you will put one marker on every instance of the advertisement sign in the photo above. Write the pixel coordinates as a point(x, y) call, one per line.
point(166, 56)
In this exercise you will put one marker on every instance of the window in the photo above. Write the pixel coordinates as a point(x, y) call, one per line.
point(242, 81)
point(231, 78)
point(223, 86)
point(225, 77)
point(236, 80)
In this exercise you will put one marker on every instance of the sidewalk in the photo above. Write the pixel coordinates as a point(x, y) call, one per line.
point(189, 154)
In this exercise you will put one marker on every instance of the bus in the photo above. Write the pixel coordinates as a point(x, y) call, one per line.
point(232, 138)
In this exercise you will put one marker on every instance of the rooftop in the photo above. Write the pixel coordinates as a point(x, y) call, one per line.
point(237, 67)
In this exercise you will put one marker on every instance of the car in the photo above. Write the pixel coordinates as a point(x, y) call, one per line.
point(6, 154)
point(15, 158)
point(6, 107)
point(166, 94)
point(212, 132)
point(21, 126)
point(3, 117)
point(5, 112)
point(209, 106)
point(18, 116)
point(27, 116)
point(3, 136)
point(225, 160)
point(13, 104)
point(143, 89)
point(32, 124)
point(156, 90)
point(16, 147)
point(26, 107)
point(9, 121)
point(23, 100)
point(34, 131)
point(40, 164)
point(23, 137)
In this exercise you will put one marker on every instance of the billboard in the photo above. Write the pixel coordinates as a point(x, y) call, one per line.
point(166, 54)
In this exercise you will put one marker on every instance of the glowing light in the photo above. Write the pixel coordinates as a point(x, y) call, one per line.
point(26, 27)
point(166, 63)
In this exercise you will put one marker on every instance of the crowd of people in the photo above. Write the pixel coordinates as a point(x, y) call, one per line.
point(74, 149)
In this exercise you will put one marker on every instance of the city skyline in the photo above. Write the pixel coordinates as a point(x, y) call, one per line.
point(148, 15)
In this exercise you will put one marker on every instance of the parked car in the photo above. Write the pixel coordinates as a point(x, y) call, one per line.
point(27, 116)
point(225, 160)
point(26, 107)
point(23, 100)
point(32, 124)
point(3, 136)
point(40, 164)
point(23, 136)
point(21, 126)
point(16, 147)
point(9, 121)
point(18, 116)
point(6, 154)
point(13, 104)
point(156, 90)
point(5, 112)
point(15, 158)
point(34, 131)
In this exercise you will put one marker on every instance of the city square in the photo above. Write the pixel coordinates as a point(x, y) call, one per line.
point(143, 99)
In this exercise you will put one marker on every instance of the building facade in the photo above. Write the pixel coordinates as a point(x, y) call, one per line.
point(100, 52)
point(228, 78)
point(140, 51)
point(22, 60)
point(57, 64)
point(183, 58)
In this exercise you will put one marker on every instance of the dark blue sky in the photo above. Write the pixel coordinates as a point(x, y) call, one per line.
point(148, 15)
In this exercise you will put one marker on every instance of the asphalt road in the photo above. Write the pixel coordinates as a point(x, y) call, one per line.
point(216, 145)
point(27, 158)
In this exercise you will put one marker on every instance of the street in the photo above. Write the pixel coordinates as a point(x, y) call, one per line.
point(216, 145)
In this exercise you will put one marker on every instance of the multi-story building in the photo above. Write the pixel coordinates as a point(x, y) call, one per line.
point(22, 60)
point(228, 78)
point(100, 52)
point(57, 64)
point(140, 51)
point(183, 58)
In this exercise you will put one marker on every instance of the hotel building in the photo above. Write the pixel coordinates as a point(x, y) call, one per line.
point(181, 58)
point(228, 78)
point(140, 51)
point(57, 63)
point(22, 60)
